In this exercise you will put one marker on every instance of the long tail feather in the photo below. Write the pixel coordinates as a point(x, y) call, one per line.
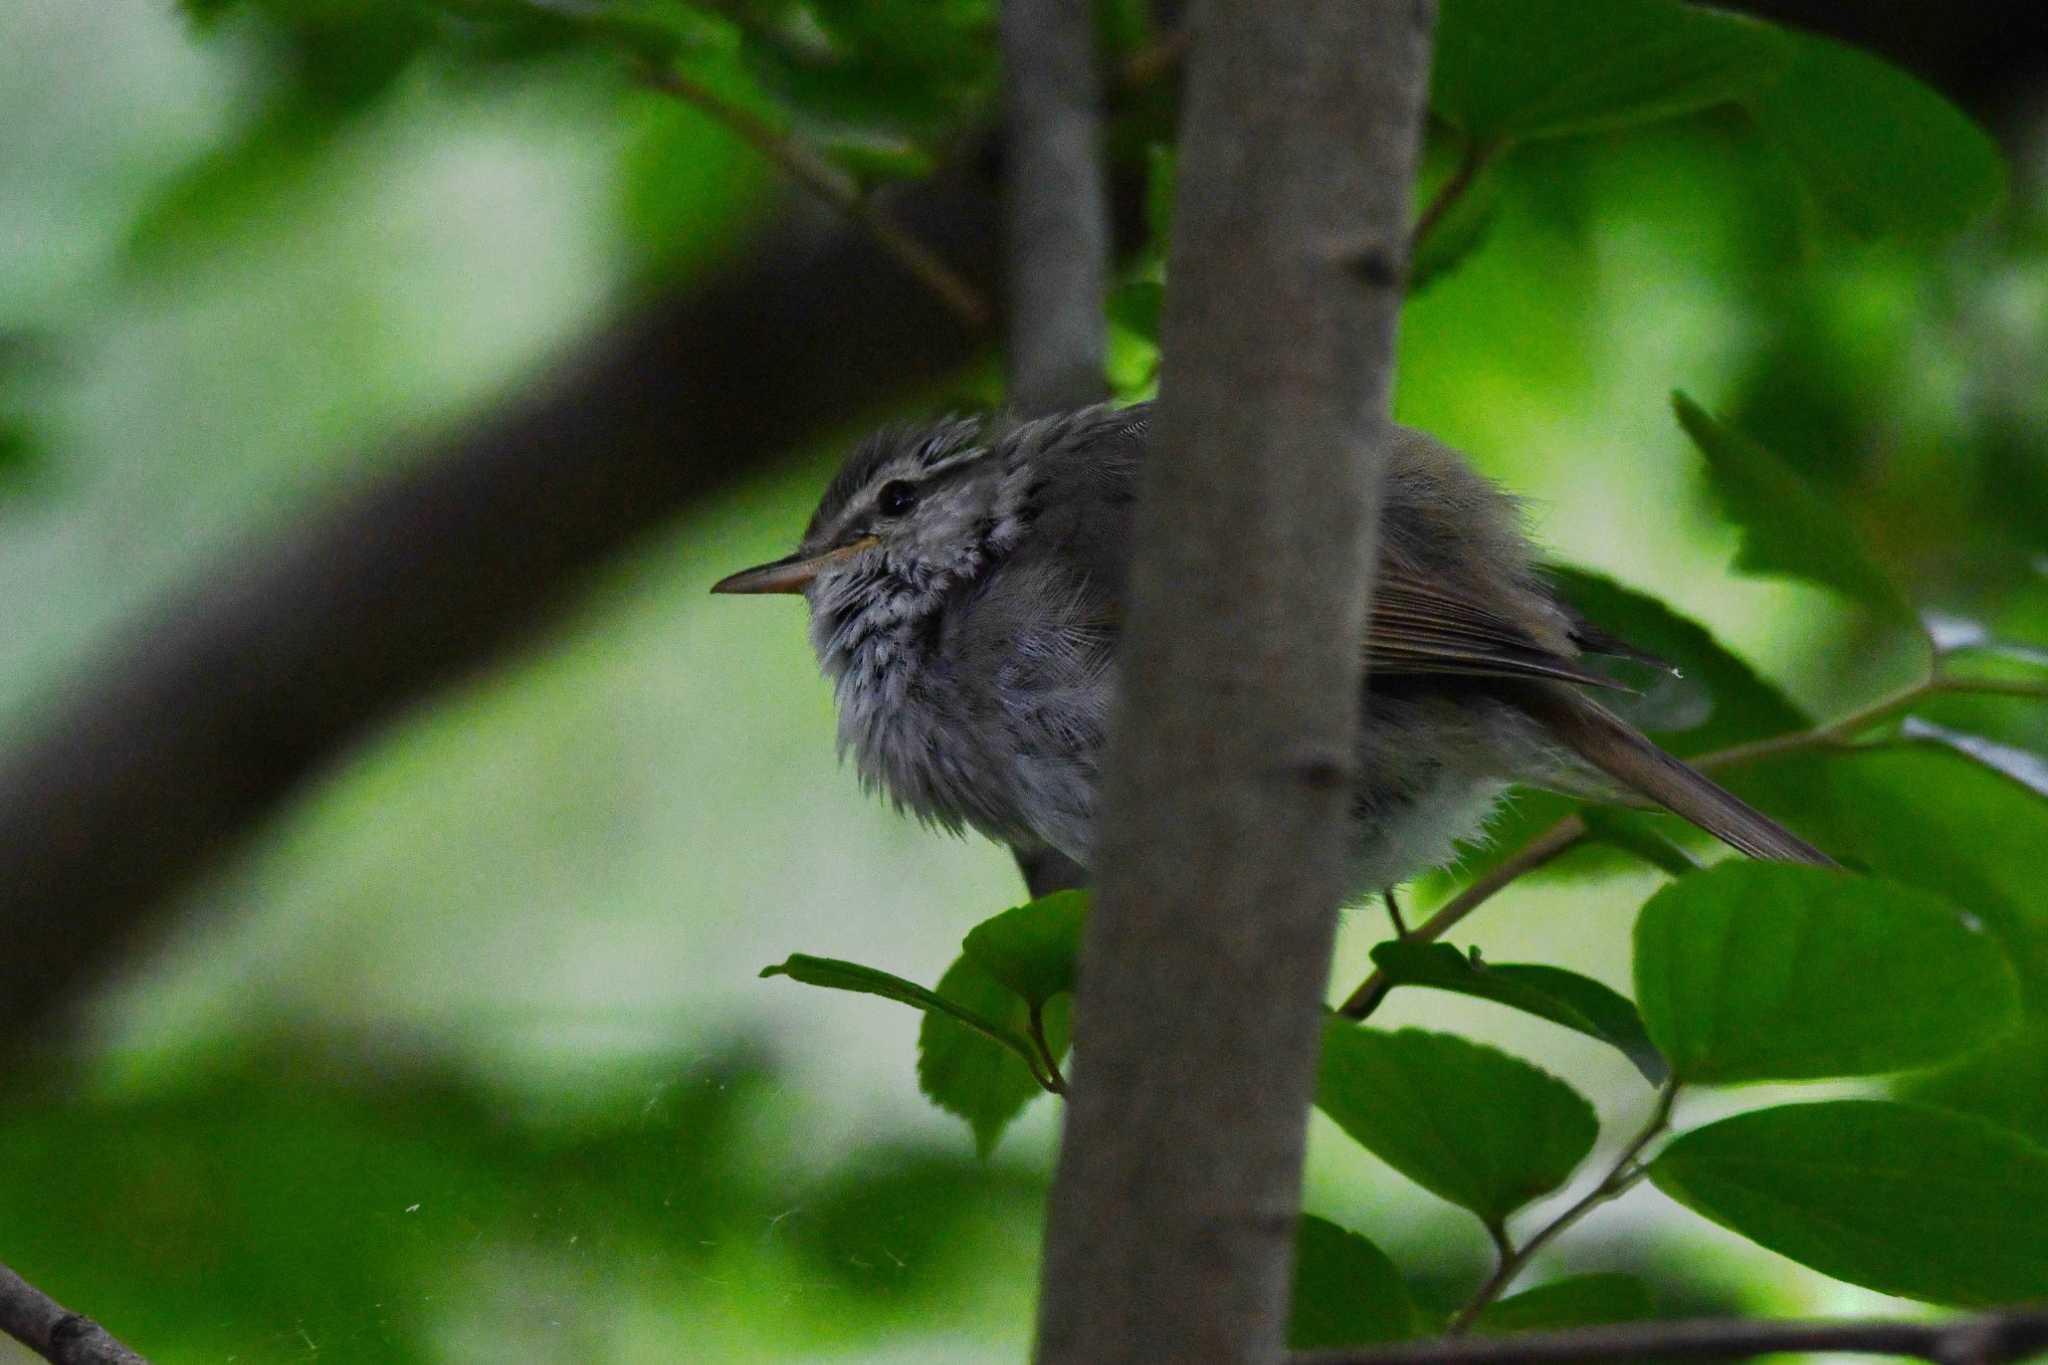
point(1616, 748)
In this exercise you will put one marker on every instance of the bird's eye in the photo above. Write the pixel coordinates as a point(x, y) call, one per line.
point(897, 497)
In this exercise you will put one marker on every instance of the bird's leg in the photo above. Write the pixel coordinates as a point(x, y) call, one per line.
point(1394, 913)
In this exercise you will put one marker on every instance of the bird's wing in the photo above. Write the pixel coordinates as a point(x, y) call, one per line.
point(1420, 627)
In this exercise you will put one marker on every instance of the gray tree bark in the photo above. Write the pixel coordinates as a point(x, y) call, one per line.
point(53, 1331)
point(1171, 1228)
point(1057, 245)
point(1056, 206)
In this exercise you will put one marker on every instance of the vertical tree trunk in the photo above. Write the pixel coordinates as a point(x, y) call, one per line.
point(1057, 239)
point(1222, 859)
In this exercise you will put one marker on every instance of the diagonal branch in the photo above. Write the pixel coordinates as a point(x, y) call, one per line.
point(210, 714)
point(820, 177)
point(1986, 1339)
point(1569, 832)
point(53, 1331)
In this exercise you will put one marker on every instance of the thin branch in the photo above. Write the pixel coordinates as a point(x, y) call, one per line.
point(1475, 159)
point(1985, 1339)
point(828, 182)
point(1567, 833)
point(1621, 1177)
point(1544, 848)
point(53, 1331)
point(1052, 1079)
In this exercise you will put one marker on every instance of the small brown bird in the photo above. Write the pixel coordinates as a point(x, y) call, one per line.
point(964, 592)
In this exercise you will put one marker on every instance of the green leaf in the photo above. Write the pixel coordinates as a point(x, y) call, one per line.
point(1552, 993)
point(1905, 1200)
point(1789, 528)
point(1715, 700)
point(1738, 705)
point(839, 975)
point(1633, 832)
point(1507, 69)
point(1486, 1131)
point(963, 1071)
point(1766, 971)
point(1346, 1291)
point(1032, 948)
point(1878, 152)
point(2006, 1083)
point(1579, 1301)
point(2022, 766)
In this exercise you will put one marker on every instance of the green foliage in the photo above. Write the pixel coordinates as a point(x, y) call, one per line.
point(1562, 997)
point(1578, 1301)
point(1032, 948)
point(1744, 972)
point(1761, 971)
point(1470, 1124)
point(2024, 767)
point(999, 1021)
point(1508, 70)
point(964, 1072)
point(1877, 151)
point(1346, 1291)
point(1714, 700)
point(851, 976)
point(1897, 1198)
point(1789, 527)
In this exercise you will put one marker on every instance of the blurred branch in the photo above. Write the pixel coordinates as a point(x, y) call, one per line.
point(829, 183)
point(1985, 1339)
point(1568, 833)
point(160, 759)
point(53, 1331)
point(1055, 208)
point(1056, 220)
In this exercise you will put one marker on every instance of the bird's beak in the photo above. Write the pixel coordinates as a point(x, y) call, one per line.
point(791, 573)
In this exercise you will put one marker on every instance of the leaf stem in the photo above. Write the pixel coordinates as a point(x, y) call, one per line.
point(1621, 1177)
point(822, 178)
point(1052, 1079)
point(1477, 155)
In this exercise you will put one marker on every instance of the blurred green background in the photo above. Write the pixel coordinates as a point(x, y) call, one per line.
point(467, 1059)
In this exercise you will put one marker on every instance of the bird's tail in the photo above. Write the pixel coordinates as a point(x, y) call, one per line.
point(1619, 750)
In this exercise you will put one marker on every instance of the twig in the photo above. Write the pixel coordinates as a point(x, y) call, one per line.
point(1621, 1177)
point(1569, 832)
point(1052, 1079)
point(1985, 1339)
point(1394, 914)
point(1475, 159)
point(825, 180)
point(53, 1331)
point(1545, 847)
